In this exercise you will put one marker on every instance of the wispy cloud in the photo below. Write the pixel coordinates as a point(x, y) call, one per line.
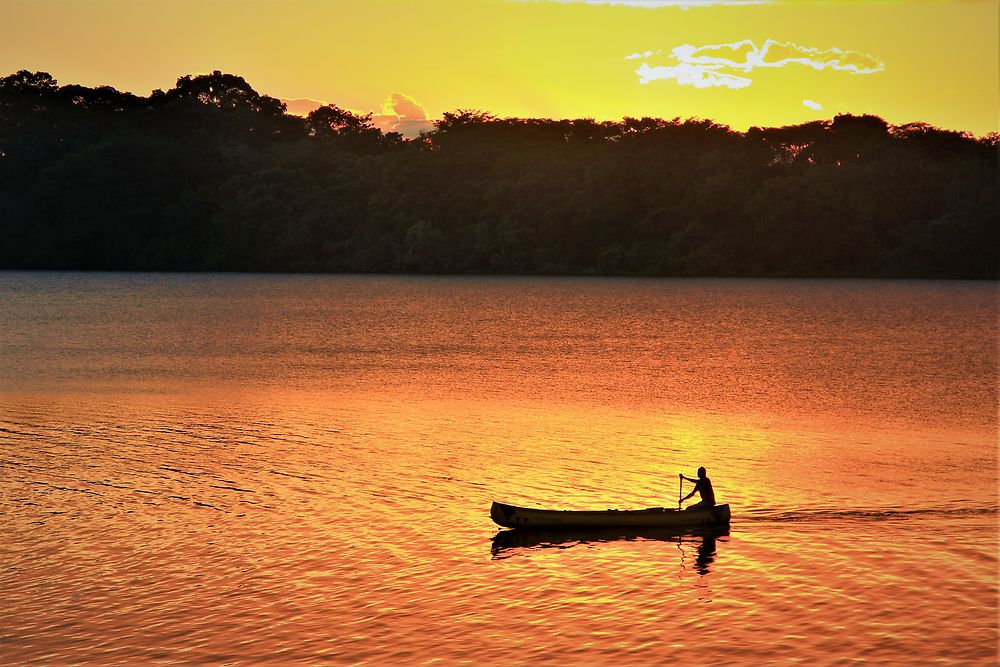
point(644, 54)
point(686, 74)
point(655, 4)
point(816, 106)
point(727, 64)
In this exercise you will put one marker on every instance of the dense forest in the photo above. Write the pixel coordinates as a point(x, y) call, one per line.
point(214, 176)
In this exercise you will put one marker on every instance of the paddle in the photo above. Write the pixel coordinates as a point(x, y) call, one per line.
point(680, 488)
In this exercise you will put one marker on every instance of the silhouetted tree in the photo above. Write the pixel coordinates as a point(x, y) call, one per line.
point(212, 175)
point(224, 91)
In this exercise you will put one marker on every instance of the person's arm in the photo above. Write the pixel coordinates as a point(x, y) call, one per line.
point(696, 489)
point(687, 478)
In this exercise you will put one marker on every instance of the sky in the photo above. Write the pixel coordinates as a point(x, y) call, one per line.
point(742, 63)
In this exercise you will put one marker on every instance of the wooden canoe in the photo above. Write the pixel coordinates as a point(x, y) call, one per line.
point(510, 516)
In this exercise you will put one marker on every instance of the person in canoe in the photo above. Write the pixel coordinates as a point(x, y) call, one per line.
point(703, 486)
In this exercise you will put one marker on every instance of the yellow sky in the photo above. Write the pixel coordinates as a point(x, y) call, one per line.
point(928, 61)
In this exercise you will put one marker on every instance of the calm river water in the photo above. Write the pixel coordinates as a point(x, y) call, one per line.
point(244, 469)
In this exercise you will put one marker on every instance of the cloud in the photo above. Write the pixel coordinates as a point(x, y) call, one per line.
point(643, 55)
point(779, 54)
point(816, 106)
point(656, 4)
point(302, 106)
point(736, 55)
point(401, 113)
point(723, 64)
point(692, 75)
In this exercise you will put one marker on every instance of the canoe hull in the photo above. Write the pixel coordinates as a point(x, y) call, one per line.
point(510, 516)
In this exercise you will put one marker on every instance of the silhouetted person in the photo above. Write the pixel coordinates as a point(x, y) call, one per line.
point(703, 486)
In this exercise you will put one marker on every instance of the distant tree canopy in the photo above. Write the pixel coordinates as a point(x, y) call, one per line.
point(211, 175)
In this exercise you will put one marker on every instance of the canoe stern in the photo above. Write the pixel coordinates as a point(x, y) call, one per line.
point(721, 514)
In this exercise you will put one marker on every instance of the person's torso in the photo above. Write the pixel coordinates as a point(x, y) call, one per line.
point(706, 491)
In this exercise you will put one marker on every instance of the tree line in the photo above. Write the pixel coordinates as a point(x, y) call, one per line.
point(213, 176)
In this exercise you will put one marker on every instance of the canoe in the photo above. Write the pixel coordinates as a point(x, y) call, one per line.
point(511, 516)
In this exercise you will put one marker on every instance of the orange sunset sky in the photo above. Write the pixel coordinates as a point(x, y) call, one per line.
point(408, 61)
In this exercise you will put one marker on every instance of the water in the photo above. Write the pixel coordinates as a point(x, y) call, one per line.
point(298, 470)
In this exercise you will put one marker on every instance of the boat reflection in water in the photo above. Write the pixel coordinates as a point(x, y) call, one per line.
point(507, 543)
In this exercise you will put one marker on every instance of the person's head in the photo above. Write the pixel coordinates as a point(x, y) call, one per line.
point(701, 472)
